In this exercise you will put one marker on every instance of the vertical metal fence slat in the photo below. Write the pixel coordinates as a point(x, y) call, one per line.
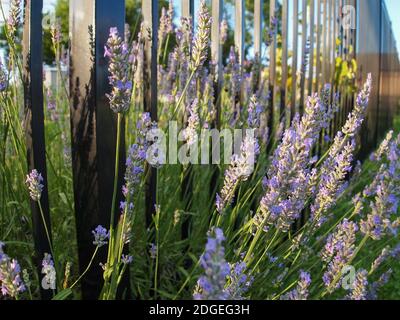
point(324, 42)
point(240, 28)
point(216, 53)
point(294, 57)
point(272, 68)
point(258, 26)
point(93, 128)
point(34, 125)
point(150, 20)
point(312, 39)
point(187, 8)
point(318, 48)
point(285, 12)
point(303, 55)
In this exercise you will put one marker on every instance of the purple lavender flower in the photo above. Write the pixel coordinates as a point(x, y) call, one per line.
point(55, 31)
point(240, 168)
point(223, 31)
point(254, 113)
point(101, 236)
point(10, 279)
point(211, 286)
point(14, 17)
point(383, 256)
point(338, 251)
point(34, 182)
point(359, 290)
point(153, 251)
point(301, 292)
point(331, 183)
point(238, 281)
point(383, 148)
point(116, 50)
point(133, 174)
point(375, 286)
point(190, 132)
point(126, 259)
point(3, 78)
point(379, 220)
point(356, 118)
point(202, 38)
point(166, 23)
point(289, 176)
point(49, 271)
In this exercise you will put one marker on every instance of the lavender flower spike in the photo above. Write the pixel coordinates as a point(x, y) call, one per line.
point(338, 251)
point(100, 236)
point(356, 118)
point(359, 291)
point(116, 50)
point(34, 182)
point(3, 78)
point(301, 291)
point(238, 281)
point(202, 39)
point(240, 169)
point(211, 286)
point(10, 279)
point(14, 17)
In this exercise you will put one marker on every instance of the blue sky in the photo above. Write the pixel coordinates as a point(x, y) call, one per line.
point(393, 7)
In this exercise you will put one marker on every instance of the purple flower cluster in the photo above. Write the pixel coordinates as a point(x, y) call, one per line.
point(153, 251)
point(211, 286)
point(55, 30)
point(385, 190)
point(116, 50)
point(289, 176)
point(360, 286)
point(383, 256)
point(233, 69)
point(338, 251)
point(254, 110)
point(190, 132)
point(240, 168)
point(10, 279)
point(223, 31)
point(126, 259)
point(238, 281)
point(14, 17)
point(375, 286)
point(202, 38)
point(332, 183)
point(101, 236)
point(301, 292)
point(166, 23)
point(3, 78)
point(356, 117)
point(34, 182)
point(51, 105)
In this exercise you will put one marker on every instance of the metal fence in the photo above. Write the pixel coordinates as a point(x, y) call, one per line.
point(309, 33)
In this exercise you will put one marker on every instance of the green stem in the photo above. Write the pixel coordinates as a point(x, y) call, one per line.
point(114, 197)
point(46, 230)
point(87, 268)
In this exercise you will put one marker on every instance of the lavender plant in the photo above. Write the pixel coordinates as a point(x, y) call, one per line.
point(285, 218)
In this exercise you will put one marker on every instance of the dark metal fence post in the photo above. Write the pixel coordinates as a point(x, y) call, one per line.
point(150, 20)
point(34, 124)
point(93, 127)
